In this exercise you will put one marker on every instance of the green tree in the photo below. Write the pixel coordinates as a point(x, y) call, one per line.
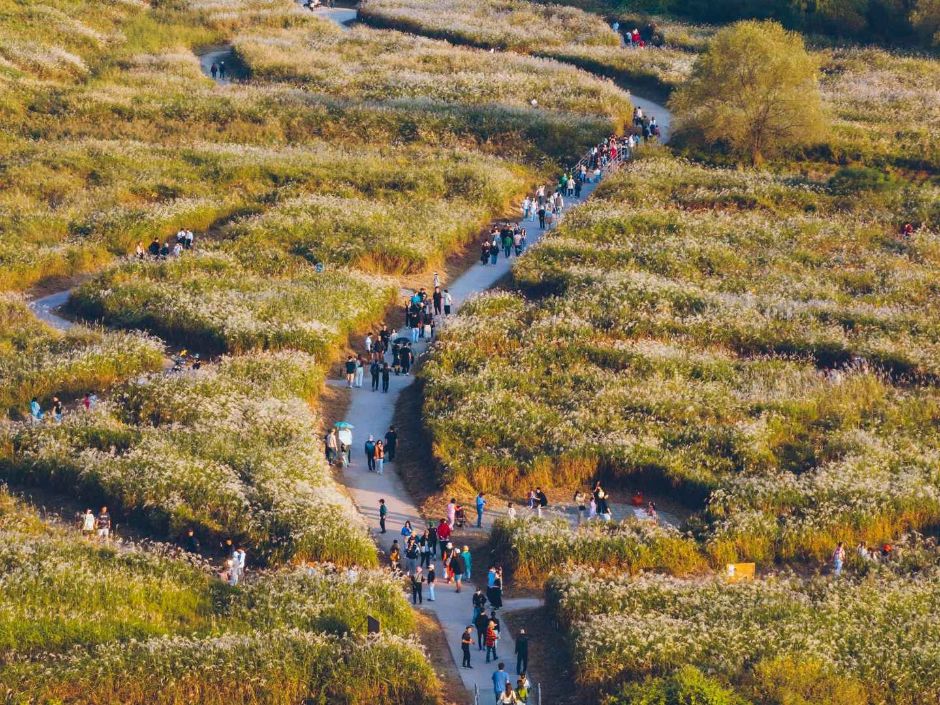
point(754, 89)
point(926, 19)
point(687, 686)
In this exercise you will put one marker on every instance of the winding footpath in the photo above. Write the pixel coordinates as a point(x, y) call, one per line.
point(372, 413)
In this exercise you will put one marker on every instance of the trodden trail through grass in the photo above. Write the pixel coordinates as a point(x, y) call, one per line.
point(371, 413)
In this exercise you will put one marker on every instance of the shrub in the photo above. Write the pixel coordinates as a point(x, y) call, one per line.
point(533, 549)
point(687, 686)
point(852, 179)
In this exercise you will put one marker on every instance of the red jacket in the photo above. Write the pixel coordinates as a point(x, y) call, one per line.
point(443, 531)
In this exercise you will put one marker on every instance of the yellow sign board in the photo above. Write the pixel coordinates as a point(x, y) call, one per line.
point(739, 571)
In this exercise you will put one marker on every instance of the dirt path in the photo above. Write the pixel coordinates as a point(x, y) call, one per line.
point(371, 413)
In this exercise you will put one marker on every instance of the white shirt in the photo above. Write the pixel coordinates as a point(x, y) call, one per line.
point(448, 299)
point(368, 343)
point(88, 522)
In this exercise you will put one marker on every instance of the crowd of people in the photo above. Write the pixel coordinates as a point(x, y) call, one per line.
point(56, 410)
point(644, 125)
point(233, 570)
point(509, 238)
point(428, 557)
point(635, 39)
point(183, 242)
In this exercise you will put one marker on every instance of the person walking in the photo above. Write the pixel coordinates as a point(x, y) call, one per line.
point(522, 652)
point(838, 559)
point(448, 302)
point(385, 377)
point(542, 217)
point(432, 577)
point(214, 70)
point(522, 689)
point(383, 515)
point(457, 567)
point(411, 555)
point(432, 539)
point(360, 369)
point(417, 583)
point(332, 446)
point(481, 622)
point(446, 554)
point(391, 444)
point(465, 641)
point(350, 371)
point(103, 524)
point(507, 697)
point(479, 604)
point(452, 512)
point(481, 503)
point(375, 370)
point(579, 503)
point(467, 561)
point(426, 552)
point(490, 640)
point(370, 453)
point(379, 458)
point(494, 593)
point(394, 557)
point(500, 680)
point(443, 535)
point(407, 359)
point(88, 524)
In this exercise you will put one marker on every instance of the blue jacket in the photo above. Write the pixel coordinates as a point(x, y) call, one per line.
point(500, 679)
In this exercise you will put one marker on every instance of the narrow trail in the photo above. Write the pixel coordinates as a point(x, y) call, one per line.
point(46, 307)
point(371, 413)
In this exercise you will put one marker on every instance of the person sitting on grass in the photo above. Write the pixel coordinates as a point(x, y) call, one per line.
point(35, 411)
